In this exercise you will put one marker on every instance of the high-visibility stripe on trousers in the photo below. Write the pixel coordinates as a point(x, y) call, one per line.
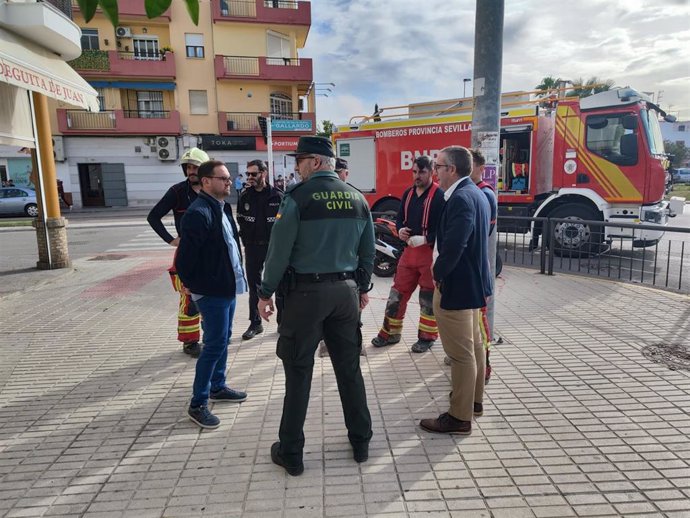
point(188, 318)
point(414, 269)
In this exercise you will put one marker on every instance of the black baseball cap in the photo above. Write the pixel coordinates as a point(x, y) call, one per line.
point(314, 145)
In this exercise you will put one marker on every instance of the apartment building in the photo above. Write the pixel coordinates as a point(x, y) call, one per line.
point(166, 85)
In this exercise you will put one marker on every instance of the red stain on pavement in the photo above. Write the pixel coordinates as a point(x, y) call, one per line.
point(131, 281)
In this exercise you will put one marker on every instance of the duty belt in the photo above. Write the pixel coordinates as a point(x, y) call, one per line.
point(323, 277)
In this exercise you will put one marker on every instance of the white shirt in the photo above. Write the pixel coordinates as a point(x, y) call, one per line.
point(452, 188)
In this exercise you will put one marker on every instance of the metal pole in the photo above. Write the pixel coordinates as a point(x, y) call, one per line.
point(269, 143)
point(488, 61)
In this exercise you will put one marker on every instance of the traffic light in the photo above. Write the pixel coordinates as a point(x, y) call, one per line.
point(264, 128)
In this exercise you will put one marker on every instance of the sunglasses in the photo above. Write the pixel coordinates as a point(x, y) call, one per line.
point(252, 174)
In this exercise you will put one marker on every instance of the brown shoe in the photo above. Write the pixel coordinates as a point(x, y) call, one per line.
point(446, 423)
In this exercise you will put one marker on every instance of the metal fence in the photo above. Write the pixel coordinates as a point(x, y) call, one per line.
point(238, 8)
point(146, 114)
point(542, 243)
point(241, 65)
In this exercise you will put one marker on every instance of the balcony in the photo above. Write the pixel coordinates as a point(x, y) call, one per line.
point(118, 122)
point(283, 12)
point(247, 123)
point(113, 63)
point(264, 69)
point(129, 9)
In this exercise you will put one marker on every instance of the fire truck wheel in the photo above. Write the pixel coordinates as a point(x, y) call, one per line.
point(573, 238)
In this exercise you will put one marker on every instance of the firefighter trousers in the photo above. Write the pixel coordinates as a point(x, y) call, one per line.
point(188, 318)
point(414, 269)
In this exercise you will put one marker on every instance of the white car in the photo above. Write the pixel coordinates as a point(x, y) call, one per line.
point(682, 175)
point(18, 200)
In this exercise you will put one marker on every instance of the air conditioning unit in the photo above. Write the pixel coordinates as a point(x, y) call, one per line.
point(123, 32)
point(167, 148)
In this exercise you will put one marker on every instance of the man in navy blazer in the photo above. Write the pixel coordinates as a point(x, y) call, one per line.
point(463, 281)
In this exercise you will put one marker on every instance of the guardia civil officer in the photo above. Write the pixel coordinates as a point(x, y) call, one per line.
point(321, 252)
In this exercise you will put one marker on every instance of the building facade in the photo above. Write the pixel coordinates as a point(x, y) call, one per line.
point(166, 85)
point(678, 133)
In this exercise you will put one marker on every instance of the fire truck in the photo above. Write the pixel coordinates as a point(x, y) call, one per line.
point(598, 158)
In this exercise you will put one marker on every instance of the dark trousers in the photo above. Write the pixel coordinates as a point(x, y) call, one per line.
point(328, 309)
point(254, 257)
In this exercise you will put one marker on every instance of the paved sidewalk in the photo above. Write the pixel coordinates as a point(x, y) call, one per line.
point(93, 392)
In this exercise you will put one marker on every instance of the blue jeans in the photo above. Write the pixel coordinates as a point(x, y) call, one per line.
point(216, 320)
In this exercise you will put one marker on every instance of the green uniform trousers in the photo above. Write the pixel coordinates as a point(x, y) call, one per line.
point(328, 309)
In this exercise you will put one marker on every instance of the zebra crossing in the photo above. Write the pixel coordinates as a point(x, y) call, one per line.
point(145, 241)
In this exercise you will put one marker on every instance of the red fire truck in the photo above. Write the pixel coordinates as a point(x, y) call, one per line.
point(598, 158)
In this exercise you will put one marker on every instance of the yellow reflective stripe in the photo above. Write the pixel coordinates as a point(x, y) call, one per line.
point(428, 329)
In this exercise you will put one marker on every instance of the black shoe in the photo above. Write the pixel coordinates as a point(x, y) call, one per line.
point(193, 349)
point(254, 329)
point(478, 410)
point(360, 452)
point(379, 341)
point(229, 395)
point(295, 471)
point(202, 416)
point(422, 346)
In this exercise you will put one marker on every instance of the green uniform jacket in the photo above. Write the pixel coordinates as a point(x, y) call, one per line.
point(323, 226)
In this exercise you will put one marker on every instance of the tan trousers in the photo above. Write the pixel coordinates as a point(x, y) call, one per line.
point(462, 342)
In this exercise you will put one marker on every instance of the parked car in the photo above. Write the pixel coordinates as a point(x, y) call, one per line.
point(18, 200)
point(681, 175)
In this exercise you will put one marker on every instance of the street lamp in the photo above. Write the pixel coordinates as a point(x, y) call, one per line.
point(464, 85)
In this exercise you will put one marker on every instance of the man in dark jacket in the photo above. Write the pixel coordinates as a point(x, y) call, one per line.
point(177, 199)
point(256, 213)
point(463, 281)
point(209, 263)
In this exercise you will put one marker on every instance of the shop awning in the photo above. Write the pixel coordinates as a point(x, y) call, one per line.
point(25, 64)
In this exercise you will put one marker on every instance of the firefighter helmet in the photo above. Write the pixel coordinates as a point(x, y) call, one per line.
point(194, 156)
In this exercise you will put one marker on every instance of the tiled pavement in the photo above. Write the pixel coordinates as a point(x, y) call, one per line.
point(93, 390)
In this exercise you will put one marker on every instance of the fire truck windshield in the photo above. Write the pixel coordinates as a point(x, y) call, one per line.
point(650, 121)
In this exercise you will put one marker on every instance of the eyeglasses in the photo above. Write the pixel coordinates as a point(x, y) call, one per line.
point(299, 158)
point(226, 179)
point(249, 173)
point(439, 166)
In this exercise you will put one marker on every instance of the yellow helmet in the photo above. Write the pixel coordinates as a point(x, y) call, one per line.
point(194, 156)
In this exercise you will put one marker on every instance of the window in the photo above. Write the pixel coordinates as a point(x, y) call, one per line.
point(198, 102)
point(681, 127)
point(101, 98)
point(146, 48)
point(89, 39)
point(150, 104)
point(279, 51)
point(195, 45)
point(613, 137)
point(281, 106)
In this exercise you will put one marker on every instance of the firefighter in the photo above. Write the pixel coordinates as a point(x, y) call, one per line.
point(177, 199)
point(256, 213)
point(418, 217)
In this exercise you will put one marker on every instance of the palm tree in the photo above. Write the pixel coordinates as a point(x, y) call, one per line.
point(593, 85)
point(547, 84)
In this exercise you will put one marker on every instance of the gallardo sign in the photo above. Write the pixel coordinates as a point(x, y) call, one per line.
point(290, 125)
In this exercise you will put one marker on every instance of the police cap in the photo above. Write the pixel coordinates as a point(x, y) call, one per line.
point(314, 145)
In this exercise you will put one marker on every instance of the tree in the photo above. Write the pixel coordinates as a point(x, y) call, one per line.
point(678, 152)
point(154, 8)
point(326, 129)
point(547, 84)
point(593, 85)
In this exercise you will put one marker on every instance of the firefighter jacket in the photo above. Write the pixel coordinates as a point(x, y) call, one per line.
point(256, 214)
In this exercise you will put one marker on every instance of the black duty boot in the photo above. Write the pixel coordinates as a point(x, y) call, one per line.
point(254, 329)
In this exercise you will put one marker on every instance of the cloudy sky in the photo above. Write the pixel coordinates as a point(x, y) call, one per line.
point(403, 51)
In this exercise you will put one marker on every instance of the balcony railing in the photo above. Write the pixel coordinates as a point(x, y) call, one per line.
point(286, 12)
point(127, 8)
point(247, 123)
point(119, 122)
point(264, 68)
point(65, 6)
point(124, 64)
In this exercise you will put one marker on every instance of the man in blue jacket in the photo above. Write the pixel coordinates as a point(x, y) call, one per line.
point(209, 263)
point(462, 282)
